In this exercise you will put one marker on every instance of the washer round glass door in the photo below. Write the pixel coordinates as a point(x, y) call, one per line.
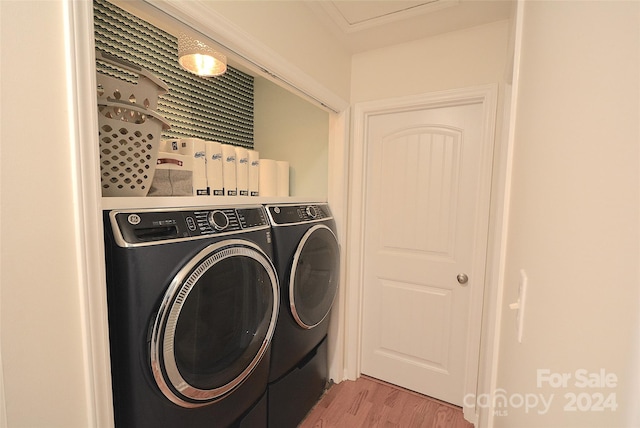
point(315, 274)
point(215, 323)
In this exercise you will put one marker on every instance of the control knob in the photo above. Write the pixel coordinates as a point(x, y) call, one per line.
point(311, 211)
point(218, 220)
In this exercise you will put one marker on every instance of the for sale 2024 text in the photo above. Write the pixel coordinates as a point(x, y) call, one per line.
point(596, 387)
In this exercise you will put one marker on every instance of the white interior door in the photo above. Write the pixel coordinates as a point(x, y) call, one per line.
point(425, 231)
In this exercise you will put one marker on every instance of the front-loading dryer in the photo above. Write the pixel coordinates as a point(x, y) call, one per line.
point(193, 300)
point(307, 258)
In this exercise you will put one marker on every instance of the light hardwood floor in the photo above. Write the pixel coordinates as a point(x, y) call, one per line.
point(368, 402)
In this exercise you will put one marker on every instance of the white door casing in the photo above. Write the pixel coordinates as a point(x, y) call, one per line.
point(404, 245)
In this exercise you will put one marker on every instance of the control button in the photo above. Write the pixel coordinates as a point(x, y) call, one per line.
point(134, 219)
point(191, 223)
point(311, 211)
point(276, 210)
point(218, 220)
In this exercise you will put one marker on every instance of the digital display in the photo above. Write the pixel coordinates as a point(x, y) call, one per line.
point(251, 217)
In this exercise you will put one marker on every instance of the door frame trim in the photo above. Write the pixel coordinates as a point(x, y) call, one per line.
point(87, 211)
point(486, 95)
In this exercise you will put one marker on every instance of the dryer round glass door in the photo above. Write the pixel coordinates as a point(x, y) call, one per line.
point(315, 274)
point(215, 323)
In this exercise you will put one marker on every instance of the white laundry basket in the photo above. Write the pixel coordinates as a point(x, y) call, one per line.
point(129, 141)
point(144, 93)
point(130, 128)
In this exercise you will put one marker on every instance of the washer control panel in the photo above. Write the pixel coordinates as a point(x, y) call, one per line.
point(291, 214)
point(213, 221)
point(156, 226)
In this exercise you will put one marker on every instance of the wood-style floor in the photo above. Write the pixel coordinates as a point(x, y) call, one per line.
point(368, 402)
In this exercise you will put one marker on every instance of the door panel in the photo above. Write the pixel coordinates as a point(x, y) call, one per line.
point(429, 160)
point(426, 314)
point(422, 205)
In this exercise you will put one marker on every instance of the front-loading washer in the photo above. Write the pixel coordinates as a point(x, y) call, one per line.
point(307, 259)
point(193, 299)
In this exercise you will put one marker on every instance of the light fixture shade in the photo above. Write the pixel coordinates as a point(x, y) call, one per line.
point(199, 58)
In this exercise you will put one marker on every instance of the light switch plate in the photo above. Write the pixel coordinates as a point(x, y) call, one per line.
point(522, 298)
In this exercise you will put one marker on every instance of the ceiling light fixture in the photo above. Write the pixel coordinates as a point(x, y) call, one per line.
point(199, 58)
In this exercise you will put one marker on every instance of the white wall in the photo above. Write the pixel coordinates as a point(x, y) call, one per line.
point(287, 127)
point(41, 336)
point(574, 217)
point(459, 59)
point(291, 29)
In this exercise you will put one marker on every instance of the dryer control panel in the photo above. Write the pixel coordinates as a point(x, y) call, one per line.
point(291, 214)
point(146, 227)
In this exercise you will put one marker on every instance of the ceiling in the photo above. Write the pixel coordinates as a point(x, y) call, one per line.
point(362, 25)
